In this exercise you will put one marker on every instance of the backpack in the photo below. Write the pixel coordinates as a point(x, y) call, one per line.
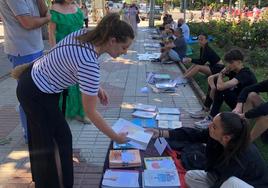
point(193, 156)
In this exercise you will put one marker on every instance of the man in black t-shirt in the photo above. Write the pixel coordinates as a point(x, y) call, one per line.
point(227, 91)
point(250, 105)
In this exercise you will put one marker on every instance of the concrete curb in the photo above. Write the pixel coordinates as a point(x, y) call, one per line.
point(198, 91)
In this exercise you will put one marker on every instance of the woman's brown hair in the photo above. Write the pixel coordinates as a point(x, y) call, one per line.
point(109, 26)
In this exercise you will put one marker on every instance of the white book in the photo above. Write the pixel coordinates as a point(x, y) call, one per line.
point(138, 137)
point(169, 111)
point(161, 179)
point(143, 114)
point(145, 107)
point(168, 117)
point(120, 178)
point(165, 124)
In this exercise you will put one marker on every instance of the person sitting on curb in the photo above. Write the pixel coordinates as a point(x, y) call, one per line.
point(250, 105)
point(174, 50)
point(228, 91)
point(232, 161)
point(207, 54)
point(185, 29)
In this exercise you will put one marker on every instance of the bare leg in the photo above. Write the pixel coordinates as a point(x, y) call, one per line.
point(260, 126)
point(253, 101)
point(163, 55)
point(196, 69)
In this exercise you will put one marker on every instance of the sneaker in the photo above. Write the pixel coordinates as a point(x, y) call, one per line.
point(156, 60)
point(167, 62)
point(198, 114)
point(203, 124)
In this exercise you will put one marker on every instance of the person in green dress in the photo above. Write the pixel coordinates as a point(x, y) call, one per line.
point(67, 17)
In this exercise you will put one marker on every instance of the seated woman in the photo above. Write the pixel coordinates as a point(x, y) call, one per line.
point(227, 91)
point(250, 105)
point(174, 49)
point(207, 54)
point(232, 161)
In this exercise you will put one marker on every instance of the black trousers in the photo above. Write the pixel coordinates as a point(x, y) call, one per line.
point(229, 96)
point(47, 128)
point(86, 22)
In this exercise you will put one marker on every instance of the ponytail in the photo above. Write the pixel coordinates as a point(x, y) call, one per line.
point(238, 129)
point(109, 26)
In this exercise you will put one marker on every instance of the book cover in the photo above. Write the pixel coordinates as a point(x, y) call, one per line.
point(165, 85)
point(169, 111)
point(146, 123)
point(137, 135)
point(165, 124)
point(167, 117)
point(124, 158)
point(159, 163)
point(161, 178)
point(120, 178)
point(143, 114)
point(162, 76)
point(145, 107)
point(126, 145)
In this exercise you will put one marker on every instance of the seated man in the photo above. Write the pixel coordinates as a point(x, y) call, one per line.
point(250, 105)
point(173, 50)
point(232, 161)
point(228, 91)
point(185, 29)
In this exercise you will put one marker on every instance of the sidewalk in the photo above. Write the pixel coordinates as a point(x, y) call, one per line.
point(122, 78)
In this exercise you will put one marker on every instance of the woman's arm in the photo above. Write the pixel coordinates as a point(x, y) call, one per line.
point(52, 33)
point(43, 10)
point(89, 104)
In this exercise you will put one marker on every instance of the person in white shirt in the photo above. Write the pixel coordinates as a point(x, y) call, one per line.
point(185, 29)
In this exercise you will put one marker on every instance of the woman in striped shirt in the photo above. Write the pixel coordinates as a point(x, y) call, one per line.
point(73, 60)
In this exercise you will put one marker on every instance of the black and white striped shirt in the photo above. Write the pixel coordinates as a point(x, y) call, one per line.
point(68, 63)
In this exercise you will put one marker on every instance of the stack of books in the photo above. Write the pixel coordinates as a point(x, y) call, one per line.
point(144, 111)
point(165, 87)
point(169, 118)
point(153, 78)
point(124, 158)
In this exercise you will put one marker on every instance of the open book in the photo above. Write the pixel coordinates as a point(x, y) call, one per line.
point(138, 138)
point(143, 114)
point(145, 107)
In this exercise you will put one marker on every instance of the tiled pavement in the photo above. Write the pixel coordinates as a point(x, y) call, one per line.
point(122, 78)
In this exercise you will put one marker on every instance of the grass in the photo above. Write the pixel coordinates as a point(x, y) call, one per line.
point(261, 74)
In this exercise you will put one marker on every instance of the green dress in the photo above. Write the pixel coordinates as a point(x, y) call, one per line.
point(66, 24)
